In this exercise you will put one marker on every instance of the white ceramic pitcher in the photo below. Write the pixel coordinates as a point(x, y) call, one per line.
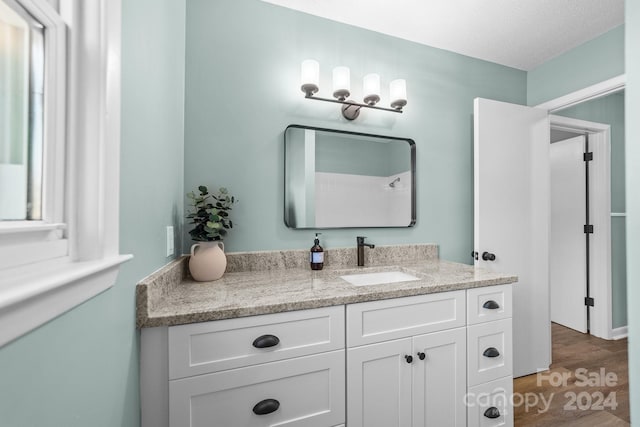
point(208, 261)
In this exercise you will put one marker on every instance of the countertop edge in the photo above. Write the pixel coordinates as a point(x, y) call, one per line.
point(145, 319)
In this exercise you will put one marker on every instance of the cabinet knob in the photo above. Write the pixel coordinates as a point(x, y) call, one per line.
point(408, 358)
point(488, 256)
point(492, 412)
point(266, 341)
point(421, 355)
point(266, 406)
point(491, 352)
point(491, 305)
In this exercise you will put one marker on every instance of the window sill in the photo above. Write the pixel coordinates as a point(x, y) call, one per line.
point(34, 294)
point(11, 227)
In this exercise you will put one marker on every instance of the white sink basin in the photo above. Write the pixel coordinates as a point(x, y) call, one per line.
point(380, 278)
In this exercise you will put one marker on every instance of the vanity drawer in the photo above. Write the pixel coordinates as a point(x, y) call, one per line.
point(490, 351)
point(307, 391)
point(487, 304)
point(200, 348)
point(490, 405)
point(376, 321)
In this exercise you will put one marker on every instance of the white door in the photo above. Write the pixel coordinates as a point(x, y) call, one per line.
point(379, 385)
point(440, 379)
point(511, 218)
point(567, 248)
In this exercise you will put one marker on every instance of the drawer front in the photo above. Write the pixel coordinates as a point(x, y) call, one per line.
point(488, 304)
point(307, 391)
point(383, 320)
point(489, 404)
point(490, 351)
point(200, 348)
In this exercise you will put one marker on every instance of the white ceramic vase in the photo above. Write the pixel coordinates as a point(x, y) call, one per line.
point(208, 261)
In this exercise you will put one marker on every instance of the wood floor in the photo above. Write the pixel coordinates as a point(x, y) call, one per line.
point(584, 396)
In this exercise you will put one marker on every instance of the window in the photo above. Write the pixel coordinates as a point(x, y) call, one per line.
point(59, 157)
point(32, 135)
point(22, 115)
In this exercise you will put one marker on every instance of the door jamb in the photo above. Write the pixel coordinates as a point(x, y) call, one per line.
point(600, 213)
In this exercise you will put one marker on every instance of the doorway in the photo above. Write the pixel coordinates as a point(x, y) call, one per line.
point(603, 270)
point(569, 241)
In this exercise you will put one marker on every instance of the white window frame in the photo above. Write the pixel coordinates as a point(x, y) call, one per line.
point(73, 254)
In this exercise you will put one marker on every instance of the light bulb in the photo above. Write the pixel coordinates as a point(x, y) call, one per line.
point(398, 93)
point(310, 76)
point(341, 83)
point(371, 89)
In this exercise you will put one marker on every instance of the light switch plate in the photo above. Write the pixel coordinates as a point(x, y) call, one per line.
point(170, 245)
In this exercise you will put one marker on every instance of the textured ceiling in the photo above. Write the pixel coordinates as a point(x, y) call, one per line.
point(517, 33)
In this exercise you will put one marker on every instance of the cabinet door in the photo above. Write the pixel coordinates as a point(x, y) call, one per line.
point(439, 379)
point(379, 385)
point(300, 392)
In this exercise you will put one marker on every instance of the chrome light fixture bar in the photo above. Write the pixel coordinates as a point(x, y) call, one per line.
point(310, 77)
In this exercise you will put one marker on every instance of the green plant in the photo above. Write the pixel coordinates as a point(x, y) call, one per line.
point(210, 214)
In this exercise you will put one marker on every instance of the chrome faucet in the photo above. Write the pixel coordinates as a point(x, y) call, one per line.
point(361, 245)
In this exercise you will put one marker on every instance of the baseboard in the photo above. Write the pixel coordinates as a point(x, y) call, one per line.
point(620, 333)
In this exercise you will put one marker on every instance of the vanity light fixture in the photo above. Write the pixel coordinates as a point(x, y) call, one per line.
point(310, 84)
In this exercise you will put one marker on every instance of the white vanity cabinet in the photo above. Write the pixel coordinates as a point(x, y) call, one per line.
point(440, 359)
point(419, 380)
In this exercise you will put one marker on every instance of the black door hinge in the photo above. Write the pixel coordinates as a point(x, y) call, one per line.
point(587, 157)
point(588, 301)
point(588, 229)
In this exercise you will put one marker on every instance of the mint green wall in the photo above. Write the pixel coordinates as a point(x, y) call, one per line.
point(243, 90)
point(81, 369)
point(592, 62)
point(632, 109)
point(610, 110)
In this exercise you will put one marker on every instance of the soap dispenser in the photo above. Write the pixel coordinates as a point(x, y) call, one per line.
point(316, 254)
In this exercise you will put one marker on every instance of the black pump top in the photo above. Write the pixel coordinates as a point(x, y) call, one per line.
point(316, 240)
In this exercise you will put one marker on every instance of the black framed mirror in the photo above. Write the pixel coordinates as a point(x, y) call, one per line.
point(341, 179)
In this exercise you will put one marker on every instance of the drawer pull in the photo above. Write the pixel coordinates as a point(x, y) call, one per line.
point(266, 341)
point(491, 352)
point(491, 305)
point(492, 413)
point(266, 406)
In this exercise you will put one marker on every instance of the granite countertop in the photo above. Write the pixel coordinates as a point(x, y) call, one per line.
point(170, 297)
